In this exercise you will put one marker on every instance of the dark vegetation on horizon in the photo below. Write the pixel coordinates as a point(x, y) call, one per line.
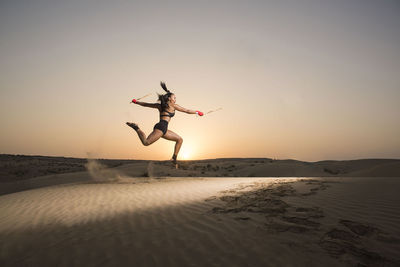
point(21, 167)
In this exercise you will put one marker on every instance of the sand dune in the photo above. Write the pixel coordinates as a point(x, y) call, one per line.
point(25, 172)
point(204, 222)
point(15, 167)
point(135, 214)
point(390, 169)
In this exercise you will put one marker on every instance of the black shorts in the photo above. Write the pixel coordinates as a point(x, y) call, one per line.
point(162, 125)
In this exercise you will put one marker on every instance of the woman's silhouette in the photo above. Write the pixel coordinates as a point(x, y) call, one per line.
point(166, 107)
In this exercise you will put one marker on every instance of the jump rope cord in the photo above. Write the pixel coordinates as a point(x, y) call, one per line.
point(208, 112)
point(214, 110)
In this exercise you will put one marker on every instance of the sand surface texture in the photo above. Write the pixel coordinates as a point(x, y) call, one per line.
point(204, 222)
point(18, 172)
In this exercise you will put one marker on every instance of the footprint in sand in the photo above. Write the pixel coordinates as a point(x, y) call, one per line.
point(267, 200)
point(348, 242)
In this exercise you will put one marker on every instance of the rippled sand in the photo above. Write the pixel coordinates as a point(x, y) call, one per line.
point(204, 222)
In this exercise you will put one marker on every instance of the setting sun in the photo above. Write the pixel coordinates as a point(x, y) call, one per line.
point(185, 154)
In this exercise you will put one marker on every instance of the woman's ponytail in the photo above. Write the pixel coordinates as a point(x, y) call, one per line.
point(163, 86)
point(164, 98)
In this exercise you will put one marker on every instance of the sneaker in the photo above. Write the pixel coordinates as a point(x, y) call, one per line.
point(174, 159)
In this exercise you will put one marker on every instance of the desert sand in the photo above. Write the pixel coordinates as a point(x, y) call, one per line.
point(109, 217)
point(19, 172)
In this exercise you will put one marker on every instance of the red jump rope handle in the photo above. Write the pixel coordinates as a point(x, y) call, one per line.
point(199, 113)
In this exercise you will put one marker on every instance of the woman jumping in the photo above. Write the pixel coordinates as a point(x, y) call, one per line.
point(166, 107)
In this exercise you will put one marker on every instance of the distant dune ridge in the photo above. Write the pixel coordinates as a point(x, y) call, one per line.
point(21, 167)
point(20, 172)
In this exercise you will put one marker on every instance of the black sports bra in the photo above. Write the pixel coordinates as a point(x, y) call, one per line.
point(170, 114)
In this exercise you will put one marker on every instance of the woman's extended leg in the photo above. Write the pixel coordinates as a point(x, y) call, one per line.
point(153, 136)
point(170, 135)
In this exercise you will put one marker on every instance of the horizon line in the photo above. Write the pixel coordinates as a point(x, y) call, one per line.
point(232, 158)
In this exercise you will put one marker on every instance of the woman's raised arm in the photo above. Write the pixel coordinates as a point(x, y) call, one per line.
point(188, 111)
point(144, 104)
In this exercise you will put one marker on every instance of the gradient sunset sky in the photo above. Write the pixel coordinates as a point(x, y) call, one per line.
point(308, 80)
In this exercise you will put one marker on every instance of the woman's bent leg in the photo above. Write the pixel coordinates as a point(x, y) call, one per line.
point(153, 136)
point(170, 135)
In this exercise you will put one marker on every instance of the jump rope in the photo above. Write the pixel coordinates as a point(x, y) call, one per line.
point(165, 88)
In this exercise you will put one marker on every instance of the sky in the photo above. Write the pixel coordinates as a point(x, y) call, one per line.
point(306, 80)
